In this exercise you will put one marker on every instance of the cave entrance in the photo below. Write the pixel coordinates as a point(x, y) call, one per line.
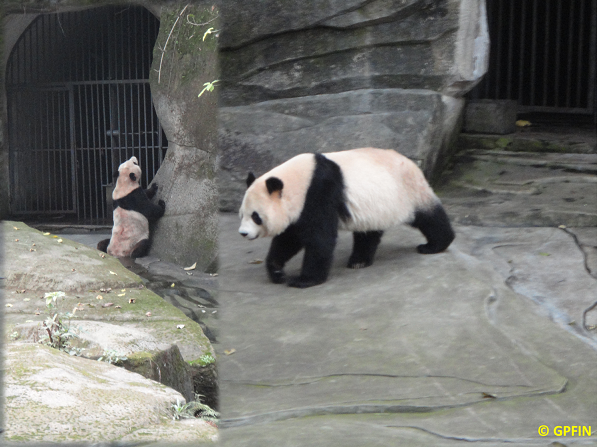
point(79, 104)
point(543, 54)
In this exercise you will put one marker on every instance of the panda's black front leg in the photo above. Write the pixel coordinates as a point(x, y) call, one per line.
point(316, 266)
point(364, 248)
point(283, 247)
point(150, 192)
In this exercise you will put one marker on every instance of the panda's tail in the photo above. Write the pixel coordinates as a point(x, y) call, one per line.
point(435, 226)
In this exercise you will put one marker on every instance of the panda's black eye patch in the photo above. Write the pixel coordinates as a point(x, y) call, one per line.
point(256, 218)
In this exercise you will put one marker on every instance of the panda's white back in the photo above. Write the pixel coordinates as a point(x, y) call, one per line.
point(130, 227)
point(382, 187)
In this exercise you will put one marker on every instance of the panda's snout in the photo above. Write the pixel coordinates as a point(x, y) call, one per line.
point(243, 234)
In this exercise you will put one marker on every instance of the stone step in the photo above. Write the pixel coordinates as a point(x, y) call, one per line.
point(492, 187)
point(560, 140)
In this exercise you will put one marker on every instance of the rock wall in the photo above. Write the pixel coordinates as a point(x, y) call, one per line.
point(333, 75)
point(184, 60)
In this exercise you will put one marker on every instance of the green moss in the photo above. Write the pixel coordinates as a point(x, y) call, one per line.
point(503, 142)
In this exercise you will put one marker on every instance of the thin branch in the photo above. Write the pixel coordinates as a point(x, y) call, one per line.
point(166, 44)
point(200, 24)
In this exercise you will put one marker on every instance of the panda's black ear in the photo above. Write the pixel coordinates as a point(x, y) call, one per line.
point(274, 184)
point(133, 176)
point(250, 179)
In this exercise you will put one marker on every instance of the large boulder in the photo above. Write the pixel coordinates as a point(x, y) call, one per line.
point(116, 318)
point(53, 397)
point(338, 75)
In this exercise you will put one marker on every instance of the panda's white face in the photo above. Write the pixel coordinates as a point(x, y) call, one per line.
point(252, 227)
point(129, 176)
point(254, 213)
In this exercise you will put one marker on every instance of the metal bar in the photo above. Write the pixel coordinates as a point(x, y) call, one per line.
point(558, 54)
point(96, 149)
point(130, 44)
point(142, 158)
point(29, 52)
point(61, 129)
point(121, 58)
point(145, 140)
point(580, 54)
point(500, 28)
point(570, 50)
point(130, 99)
point(591, 100)
point(521, 58)
point(78, 153)
point(121, 104)
point(73, 145)
point(546, 53)
point(142, 42)
point(47, 145)
point(510, 51)
point(534, 54)
point(62, 85)
point(84, 153)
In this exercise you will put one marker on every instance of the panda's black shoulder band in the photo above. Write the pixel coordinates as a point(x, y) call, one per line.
point(137, 200)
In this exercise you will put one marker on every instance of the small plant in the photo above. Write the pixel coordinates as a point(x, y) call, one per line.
point(204, 360)
point(111, 356)
point(59, 332)
point(209, 86)
point(194, 408)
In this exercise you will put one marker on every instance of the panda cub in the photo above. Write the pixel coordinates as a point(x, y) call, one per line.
point(132, 212)
point(303, 202)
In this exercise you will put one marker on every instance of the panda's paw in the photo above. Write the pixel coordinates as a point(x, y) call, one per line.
point(359, 262)
point(154, 187)
point(162, 204)
point(277, 276)
point(357, 265)
point(426, 249)
point(302, 283)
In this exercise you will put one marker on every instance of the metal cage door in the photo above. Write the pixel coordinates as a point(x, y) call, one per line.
point(42, 155)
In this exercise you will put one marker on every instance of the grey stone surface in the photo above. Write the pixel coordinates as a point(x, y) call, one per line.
point(183, 62)
point(414, 350)
point(338, 62)
point(502, 188)
point(490, 116)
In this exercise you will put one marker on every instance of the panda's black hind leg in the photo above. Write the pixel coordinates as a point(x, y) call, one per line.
point(283, 248)
point(435, 226)
point(140, 249)
point(364, 248)
point(103, 245)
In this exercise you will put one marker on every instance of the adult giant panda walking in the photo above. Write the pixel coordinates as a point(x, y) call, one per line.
point(302, 203)
point(132, 212)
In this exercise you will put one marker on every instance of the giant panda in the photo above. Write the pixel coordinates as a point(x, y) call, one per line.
point(132, 212)
point(303, 202)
